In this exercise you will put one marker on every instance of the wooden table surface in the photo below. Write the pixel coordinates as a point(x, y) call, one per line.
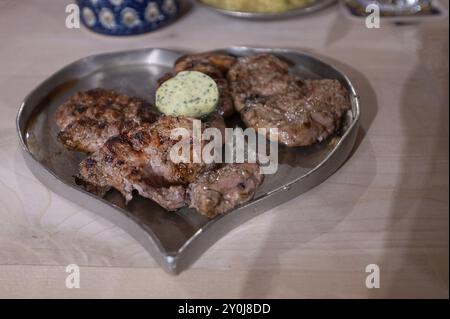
point(388, 205)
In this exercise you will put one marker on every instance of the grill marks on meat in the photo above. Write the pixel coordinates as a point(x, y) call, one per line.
point(139, 159)
point(214, 65)
point(267, 96)
point(218, 191)
point(89, 118)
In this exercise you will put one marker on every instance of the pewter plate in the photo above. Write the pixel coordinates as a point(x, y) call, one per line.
point(175, 240)
point(306, 9)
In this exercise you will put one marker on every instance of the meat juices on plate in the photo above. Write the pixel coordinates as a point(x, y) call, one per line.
point(268, 96)
point(89, 118)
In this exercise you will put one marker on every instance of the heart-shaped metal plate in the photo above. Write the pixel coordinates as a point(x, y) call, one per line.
point(175, 240)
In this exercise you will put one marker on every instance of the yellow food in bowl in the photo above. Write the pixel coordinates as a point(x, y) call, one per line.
point(259, 6)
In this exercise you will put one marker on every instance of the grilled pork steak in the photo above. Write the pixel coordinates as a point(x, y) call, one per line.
point(217, 191)
point(89, 118)
point(267, 96)
point(214, 65)
point(139, 159)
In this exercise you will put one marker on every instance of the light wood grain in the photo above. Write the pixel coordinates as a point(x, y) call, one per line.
point(387, 205)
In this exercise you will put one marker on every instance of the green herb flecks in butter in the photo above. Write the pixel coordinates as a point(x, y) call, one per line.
point(189, 93)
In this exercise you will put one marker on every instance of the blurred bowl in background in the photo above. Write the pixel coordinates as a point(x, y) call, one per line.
point(265, 9)
point(127, 17)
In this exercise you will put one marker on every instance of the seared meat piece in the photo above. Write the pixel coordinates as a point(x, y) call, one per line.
point(267, 96)
point(214, 65)
point(218, 191)
point(259, 75)
point(86, 134)
point(89, 118)
point(139, 159)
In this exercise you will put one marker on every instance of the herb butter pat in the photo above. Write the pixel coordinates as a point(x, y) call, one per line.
point(189, 93)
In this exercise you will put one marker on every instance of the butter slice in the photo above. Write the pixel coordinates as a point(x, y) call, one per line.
point(189, 93)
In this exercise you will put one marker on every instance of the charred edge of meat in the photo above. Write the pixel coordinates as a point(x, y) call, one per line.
point(66, 139)
point(163, 79)
point(91, 188)
point(217, 63)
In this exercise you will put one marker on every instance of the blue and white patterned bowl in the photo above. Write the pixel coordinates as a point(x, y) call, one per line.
point(126, 17)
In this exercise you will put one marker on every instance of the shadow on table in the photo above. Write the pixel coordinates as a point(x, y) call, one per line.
point(424, 108)
point(260, 287)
